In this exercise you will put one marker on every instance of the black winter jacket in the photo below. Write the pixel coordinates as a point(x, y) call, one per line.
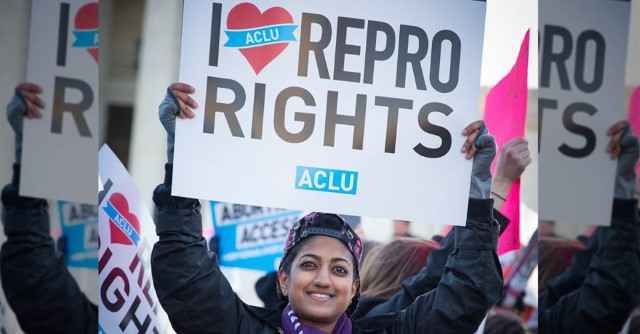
point(38, 287)
point(599, 290)
point(198, 299)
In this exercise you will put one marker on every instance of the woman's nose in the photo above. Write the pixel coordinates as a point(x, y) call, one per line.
point(322, 279)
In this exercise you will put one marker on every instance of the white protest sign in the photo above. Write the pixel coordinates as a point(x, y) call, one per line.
point(59, 154)
point(127, 302)
point(583, 51)
point(328, 107)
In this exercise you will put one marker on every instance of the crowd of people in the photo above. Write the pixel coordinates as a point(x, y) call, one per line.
point(332, 280)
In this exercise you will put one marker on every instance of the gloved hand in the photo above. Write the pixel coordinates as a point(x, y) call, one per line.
point(624, 146)
point(177, 103)
point(25, 103)
point(482, 146)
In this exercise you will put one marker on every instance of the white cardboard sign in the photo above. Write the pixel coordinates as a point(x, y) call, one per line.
point(325, 106)
point(59, 155)
point(583, 55)
point(127, 301)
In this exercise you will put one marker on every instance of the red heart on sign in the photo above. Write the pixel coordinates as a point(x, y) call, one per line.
point(87, 19)
point(120, 203)
point(247, 16)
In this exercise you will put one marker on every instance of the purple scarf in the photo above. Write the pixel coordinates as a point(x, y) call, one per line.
point(291, 324)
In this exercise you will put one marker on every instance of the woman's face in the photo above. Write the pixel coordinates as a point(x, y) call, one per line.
point(321, 282)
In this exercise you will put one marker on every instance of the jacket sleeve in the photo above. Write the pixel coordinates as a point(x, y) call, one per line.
point(190, 286)
point(38, 287)
point(610, 290)
point(471, 282)
point(430, 275)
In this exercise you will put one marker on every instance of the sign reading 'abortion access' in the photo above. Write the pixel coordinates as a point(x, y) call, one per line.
point(251, 237)
point(80, 229)
point(582, 72)
point(324, 106)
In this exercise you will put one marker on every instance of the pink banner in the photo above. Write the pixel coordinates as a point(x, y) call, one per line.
point(505, 116)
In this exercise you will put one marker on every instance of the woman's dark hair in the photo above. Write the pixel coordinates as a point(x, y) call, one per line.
point(287, 261)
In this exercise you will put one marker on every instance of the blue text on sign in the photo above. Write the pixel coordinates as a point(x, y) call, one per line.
point(260, 36)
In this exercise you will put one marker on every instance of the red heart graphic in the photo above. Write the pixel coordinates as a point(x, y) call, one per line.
point(120, 203)
point(247, 16)
point(87, 18)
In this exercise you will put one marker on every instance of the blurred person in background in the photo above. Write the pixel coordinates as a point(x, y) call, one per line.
point(556, 255)
point(547, 228)
point(402, 229)
point(600, 288)
point(389, 265)
point(38, 287)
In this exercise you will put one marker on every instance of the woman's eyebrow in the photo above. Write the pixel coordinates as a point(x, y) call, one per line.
point(335, 259)
point(318, 258)
point(314, 256)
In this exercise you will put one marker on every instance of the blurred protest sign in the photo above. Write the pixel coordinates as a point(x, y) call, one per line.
point(315, 106)
point(79, 223)
point(582, 64)
point(127, 298)
point(63, 60)
point(251, 237)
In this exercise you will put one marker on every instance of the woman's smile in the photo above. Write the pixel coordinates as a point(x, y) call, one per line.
point(320, 297)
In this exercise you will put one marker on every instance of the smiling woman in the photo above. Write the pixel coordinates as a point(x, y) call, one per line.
point(319, 276)
point(319, 273)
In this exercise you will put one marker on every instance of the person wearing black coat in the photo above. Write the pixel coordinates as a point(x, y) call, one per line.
point(39, 289)
point(198, 298)
point(600, 288)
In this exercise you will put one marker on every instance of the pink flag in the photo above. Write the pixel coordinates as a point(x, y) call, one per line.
point(634, 117)
point(505, 116)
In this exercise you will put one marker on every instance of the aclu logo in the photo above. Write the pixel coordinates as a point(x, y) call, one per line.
point(327, 180)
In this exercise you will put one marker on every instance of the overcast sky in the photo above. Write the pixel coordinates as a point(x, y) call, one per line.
point(507, 22)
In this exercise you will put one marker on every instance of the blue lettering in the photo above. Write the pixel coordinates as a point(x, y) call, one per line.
point(326, 180)
point(257, 36)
